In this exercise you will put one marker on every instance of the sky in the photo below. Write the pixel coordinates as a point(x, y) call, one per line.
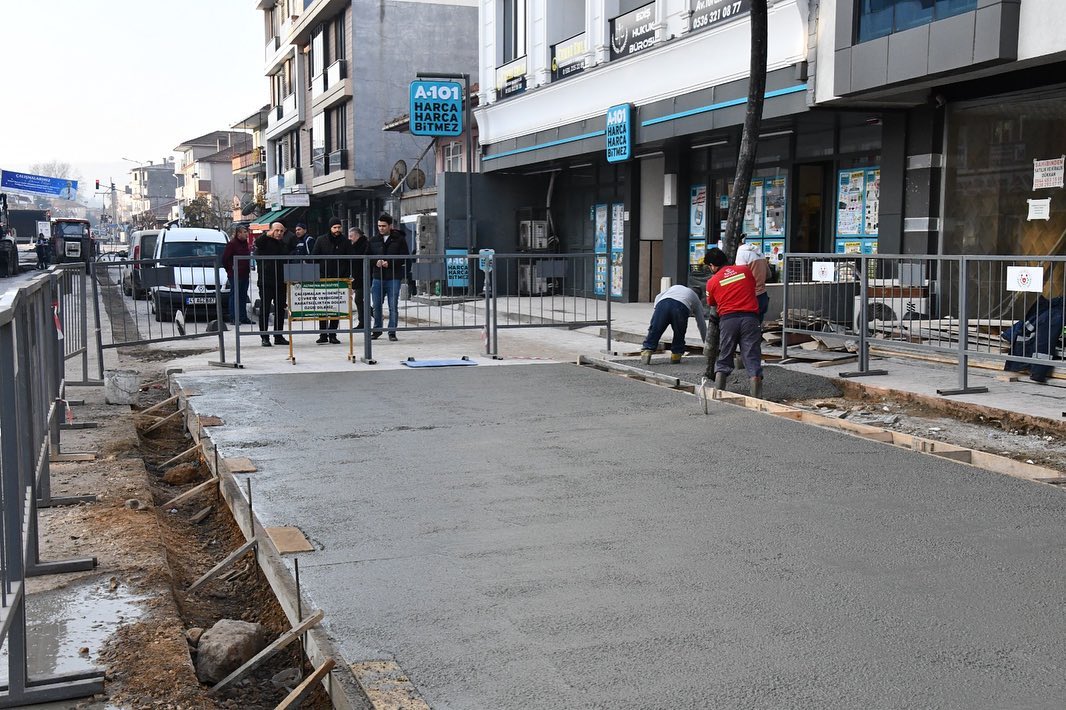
point(91, 83)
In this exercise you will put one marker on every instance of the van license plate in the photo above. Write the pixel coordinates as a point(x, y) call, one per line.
point(199, 301)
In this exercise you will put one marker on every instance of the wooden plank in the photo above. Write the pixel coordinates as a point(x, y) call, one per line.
point(387, 685)
point(961, 455)
point(229, 560)
point(72, 458)
point(190, 493)
point(163, 421)
point(300, 692)
point(289, 539)
point(159, 405)
point(210, 421)
point(179, 457)
point(267, 653)
point(833, 363)
point(240, 464)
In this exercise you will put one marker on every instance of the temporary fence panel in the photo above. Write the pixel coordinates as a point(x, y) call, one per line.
point(32, 358)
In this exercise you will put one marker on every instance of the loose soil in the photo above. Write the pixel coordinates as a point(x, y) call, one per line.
point(156, 554)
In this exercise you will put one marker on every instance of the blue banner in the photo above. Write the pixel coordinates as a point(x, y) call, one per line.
point(39, 184)
point(458, 269)
point(436, 108)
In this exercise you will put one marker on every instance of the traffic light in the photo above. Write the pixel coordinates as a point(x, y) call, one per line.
point(97, 184)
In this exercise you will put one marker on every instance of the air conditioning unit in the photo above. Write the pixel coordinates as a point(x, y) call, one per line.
point(530, 282)
point(893, 311)
point(532, 234)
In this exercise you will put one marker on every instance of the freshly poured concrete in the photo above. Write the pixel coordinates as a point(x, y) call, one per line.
point(549, 536)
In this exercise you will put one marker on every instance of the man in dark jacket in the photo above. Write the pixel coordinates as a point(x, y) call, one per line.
point(305, 242)
point(388, 271)
point(358, 245)
point(272, 282)
point(238, 246)
point(332, 245)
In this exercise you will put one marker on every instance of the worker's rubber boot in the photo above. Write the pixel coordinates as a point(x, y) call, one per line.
point(756, 387)
point(675, 358)
point(719, 381)
point(645, 357)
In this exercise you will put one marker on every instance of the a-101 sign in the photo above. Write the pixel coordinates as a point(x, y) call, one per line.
point(436, 108)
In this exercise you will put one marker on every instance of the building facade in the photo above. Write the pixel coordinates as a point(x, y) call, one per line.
point(619, 121)
point(205, 168)
point(152, 189)
point(249, 168)
point(338, 71)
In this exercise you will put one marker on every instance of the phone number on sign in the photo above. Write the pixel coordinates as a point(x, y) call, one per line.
point(720, 13)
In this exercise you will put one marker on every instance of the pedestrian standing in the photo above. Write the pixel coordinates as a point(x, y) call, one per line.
point(388, 272)
point(305, 241)
point(332, 244)
point(238, 247)
point(358, 246)
point(673, 307)
point(41, 246)
point(731, 289)
point(749, 255)
point(272, 283)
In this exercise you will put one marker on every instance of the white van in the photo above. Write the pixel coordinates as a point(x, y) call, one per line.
point(195, 255)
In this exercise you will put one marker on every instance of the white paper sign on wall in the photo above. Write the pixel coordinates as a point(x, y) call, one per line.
point(1048, 173)
point(1039, 209)
point(1029, 279)
point(824, 271)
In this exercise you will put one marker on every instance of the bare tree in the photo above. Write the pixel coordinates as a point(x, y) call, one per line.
point(749, 137)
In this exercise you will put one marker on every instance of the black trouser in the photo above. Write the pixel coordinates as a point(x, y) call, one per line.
point(329, 325)
point(357, 294)
point(272, 295)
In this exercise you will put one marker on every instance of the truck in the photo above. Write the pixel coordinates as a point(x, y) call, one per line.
point(25, 224)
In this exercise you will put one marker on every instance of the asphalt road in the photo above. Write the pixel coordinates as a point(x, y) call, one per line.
point(550, 536)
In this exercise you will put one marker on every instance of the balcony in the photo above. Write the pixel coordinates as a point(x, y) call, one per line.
point(331, 86)
point(272, 46)
point(338, 161)
point(254, 161)
point(291, 178)
point(284, 115)
point(334, 73)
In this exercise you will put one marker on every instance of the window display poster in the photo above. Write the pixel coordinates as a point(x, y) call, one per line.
point(1048, 173)
point(600, 275)
point(753, 211)
point(869, 246)
point(873, 202)
point(774, 197)
point(600, 244)
point(774, 250)
point(618, 227)
point(616, 274)
point(696, 250)
point(698, 212)
point(850, 194)
point(853, 246)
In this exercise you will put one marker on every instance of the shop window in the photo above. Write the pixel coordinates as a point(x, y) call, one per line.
point(990, 176)
point(860, 139)
point(880, 18)
point(453, 157)
point(513, 28)
point(774, 149)
point(817, 144)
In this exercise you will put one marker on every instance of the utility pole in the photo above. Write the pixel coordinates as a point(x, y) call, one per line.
point(114, 205)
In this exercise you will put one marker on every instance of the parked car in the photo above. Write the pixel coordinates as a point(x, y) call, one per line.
point(194, 256)
point(142, 246)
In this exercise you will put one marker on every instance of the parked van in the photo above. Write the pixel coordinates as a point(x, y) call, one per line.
point(142, 246)
point(192, 258)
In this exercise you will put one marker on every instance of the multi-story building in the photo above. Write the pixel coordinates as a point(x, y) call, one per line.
point(339, 70)
point(888, 126)
point(152, 192)
point(249, 167)
point(205, 167)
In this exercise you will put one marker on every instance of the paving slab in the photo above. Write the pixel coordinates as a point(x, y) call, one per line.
point(554, 536)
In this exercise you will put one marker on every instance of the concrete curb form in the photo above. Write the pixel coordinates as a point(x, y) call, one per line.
point(973, 457)
point(340, 683)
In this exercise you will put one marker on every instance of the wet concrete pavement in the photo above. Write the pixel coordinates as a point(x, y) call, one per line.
point(547, 536)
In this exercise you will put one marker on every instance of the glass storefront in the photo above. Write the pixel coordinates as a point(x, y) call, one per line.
point(1003, 163)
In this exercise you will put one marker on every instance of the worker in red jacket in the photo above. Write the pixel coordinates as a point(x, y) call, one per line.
point(731, 290)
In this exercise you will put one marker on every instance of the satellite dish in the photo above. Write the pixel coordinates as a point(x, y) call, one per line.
point(399, 170)
point(416, 179)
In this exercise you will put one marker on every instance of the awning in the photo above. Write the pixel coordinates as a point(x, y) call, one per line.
point(263, 221)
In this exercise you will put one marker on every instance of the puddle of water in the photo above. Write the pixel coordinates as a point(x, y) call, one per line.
point(60, 622)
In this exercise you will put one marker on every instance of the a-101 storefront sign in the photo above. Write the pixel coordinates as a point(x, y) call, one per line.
point(634, 32)
point(710, 13)
point(618, 131)
point(568, 57)
point(511, 78)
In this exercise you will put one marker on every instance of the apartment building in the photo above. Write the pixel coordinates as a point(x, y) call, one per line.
point(620, 120)
point(205, 167)
point(152, 192)
point(338, 71)
point(249, 167)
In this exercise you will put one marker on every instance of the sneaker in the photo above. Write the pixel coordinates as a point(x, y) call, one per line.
point(334, 340)
point(266, 342)
point(375, 335)
point(645, 357)
point(675, 358)
point(392, 337)
point(280, 340)
point(322, 340)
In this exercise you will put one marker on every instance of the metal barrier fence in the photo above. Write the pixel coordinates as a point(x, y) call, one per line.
point(73, 298)
point(32, 405)
point(1006, 309)
point(432, 293)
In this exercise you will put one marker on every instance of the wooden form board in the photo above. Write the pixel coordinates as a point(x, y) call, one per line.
point(288, 540)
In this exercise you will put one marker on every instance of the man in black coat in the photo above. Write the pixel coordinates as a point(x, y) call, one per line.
point(332, 244)
point(358, 245)
point(387, 272)
point(272, 282)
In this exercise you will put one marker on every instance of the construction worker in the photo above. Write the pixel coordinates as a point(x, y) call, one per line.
point(731, 289)
point(673, 308)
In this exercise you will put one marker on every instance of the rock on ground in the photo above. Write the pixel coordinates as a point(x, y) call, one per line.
point(225, 647)
point(181, 474)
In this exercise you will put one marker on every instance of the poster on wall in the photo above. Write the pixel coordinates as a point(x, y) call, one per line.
point(873, 202)
point(774, 197)
point(616, 274)
point(774, 250)
point(600, 275)
point(696, 250)
point(698, 212)
point(618, 226)
point(753, 211)
point(1048, 173)
point(850, 202)
point(600, 242)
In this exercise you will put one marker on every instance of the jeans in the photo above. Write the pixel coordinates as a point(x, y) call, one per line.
point(392, 288)
point(668, 312)
point(745, 329)
point(239, 299)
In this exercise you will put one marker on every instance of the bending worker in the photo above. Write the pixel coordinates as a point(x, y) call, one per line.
point(673, 308)
point(731, 289)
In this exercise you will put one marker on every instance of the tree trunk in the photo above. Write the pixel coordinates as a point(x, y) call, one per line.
point(749, 139)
